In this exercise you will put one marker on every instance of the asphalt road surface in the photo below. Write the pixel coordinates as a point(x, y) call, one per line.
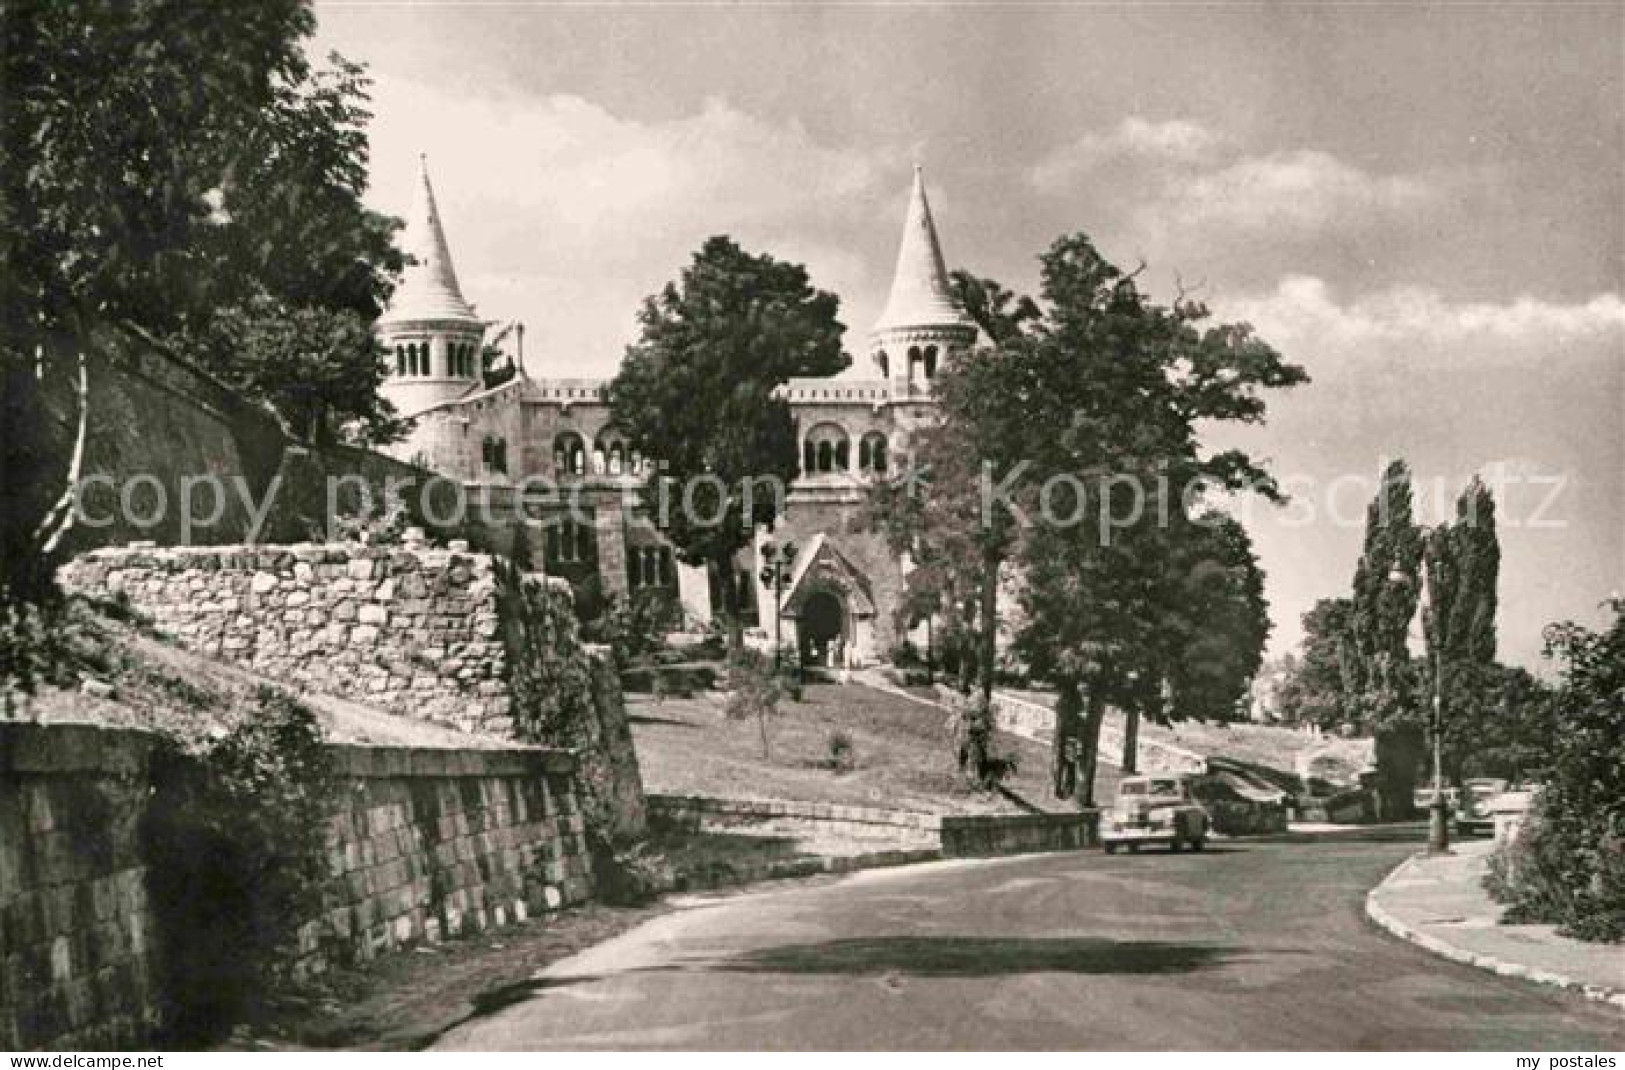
point(1253, 945)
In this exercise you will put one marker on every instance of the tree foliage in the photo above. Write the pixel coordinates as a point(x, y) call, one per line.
point(1378, 679)
point(1099, 395)
point(165, 168)
point(1568, 866)
point(696, 395)
point(1312, 693)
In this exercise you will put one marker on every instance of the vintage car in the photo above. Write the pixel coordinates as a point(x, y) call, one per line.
point(1473, 814)
point(1154, 809)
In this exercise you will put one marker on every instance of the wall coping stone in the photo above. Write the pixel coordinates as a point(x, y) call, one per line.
point(865, 815)
point(73, 747)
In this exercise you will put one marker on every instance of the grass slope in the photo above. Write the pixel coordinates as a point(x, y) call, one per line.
point(904, 758)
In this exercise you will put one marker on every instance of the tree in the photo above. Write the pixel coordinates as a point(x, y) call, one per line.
point(301, 267)
point(119, 119)
point(1110, 392)
point(1568, 865)
point(1220, 623)
point(696, 394)
point(933, 512)
point(1378, 680)
point(319, 368)
point(1460, 622)
point(1312, 692)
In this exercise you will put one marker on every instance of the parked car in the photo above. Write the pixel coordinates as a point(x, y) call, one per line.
point(1154, 809)
point(1473, 814)
point(1423, 798)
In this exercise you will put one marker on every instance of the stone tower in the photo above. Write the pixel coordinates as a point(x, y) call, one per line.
point(922, 322)
point(431, 332)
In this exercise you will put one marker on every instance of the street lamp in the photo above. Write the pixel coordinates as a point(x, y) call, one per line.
point(1439, 809)
point(776, 562)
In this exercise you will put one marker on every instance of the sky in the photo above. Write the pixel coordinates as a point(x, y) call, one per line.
point(1424, 205)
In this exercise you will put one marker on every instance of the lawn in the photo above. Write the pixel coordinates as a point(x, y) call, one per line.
point(902, 754)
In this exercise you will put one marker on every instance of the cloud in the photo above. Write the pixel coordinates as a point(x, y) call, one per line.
point(565, 214)
point(1303, 309)
point(1132, 140)
point(1303, 191)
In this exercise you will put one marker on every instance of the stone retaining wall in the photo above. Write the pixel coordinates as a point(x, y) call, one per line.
point(423, 632)
point(437, 843)
point(956, 835)
point(399, 628)
point(429, 843)
point(76, 936)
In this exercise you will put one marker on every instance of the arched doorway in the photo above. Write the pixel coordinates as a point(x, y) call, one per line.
point(822, 629)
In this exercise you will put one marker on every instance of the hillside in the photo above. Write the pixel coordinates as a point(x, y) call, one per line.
point(902, 757)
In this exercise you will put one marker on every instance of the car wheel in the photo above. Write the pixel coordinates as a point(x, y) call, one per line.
point(1133, 848)
point(1173, 845)
point(1109, 848)
point(1198, 843)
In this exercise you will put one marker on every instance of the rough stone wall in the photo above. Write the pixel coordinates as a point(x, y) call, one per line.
point(76, 937)
point(436, 843)
point(427, 844)
point(413, 630)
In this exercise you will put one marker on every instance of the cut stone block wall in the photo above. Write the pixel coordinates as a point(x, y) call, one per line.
point(427, 843)
point(435, 843)
point(76, 937)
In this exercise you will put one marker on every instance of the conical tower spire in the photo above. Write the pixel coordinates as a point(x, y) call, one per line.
point(920, 296)
point(428, 289)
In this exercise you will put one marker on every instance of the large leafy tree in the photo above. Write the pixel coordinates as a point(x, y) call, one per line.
point(1219, 622)
point(696, 394)
point(1112, 390)
point(1312, 693)
point(174, 175)
point(119, 121)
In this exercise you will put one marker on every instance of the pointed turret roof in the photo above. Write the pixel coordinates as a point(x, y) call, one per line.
point(428, 289)
point(920, 296)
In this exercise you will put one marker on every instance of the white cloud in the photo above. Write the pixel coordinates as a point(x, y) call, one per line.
point(1303, 310)
point(1133, 140)
point(567, 215)
point(1303, 191)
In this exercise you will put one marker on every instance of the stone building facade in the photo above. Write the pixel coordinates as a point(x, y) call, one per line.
point(537, 442)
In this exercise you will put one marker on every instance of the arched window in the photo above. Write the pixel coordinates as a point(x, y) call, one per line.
point(930, 361)
point(569, 455)
point(914, 359)
point(611, 452)
point(827, 449)
point(872, 452)
point(400, 360)
point(884, 363)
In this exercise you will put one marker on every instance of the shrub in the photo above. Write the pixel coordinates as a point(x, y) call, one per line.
point(755, 693)
point(236, 844)
point(842, 753)
point(1567, 866)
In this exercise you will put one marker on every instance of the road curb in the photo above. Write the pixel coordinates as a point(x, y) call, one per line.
point(1610, 997)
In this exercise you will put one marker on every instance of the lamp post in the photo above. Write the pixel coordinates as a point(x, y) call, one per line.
point(1439, 808)
point(776, 562)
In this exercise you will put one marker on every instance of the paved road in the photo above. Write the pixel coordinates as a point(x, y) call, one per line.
point(1251, 945)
